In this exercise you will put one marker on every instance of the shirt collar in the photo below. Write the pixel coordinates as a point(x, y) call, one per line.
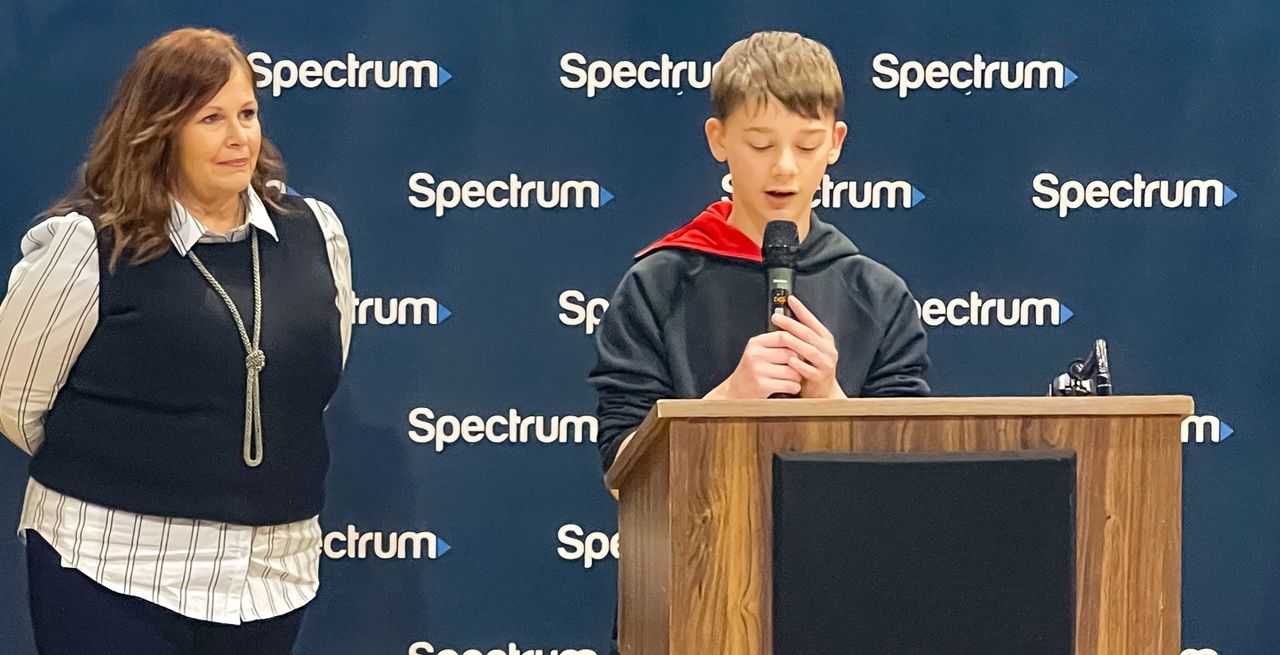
point(185, 230)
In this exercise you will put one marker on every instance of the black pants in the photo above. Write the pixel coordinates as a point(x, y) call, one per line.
point(72, 614)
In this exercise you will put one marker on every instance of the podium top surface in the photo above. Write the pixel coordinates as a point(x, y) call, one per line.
point(667, 410)
point(990, 406)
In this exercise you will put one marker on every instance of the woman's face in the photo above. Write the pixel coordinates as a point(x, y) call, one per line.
point(218, 146)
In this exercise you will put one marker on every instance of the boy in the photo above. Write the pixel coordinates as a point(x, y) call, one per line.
point(689, 319)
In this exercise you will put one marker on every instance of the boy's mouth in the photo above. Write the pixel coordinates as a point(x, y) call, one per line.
point(781, 195)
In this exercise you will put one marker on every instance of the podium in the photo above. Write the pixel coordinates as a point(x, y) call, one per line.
point(696, 507)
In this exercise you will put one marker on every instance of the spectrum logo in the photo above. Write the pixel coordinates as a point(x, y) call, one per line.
point(661, 73)
point(1008, 312)
point(977, 73)
point(354, 544)
point(1205, 428)
point(1137, 193)
point(578, 544)
point(510, 192)
point(853, 194)
point(400, 311)
point(511, 427)
point(349, 73)
point(580, 310)
point(425, 648)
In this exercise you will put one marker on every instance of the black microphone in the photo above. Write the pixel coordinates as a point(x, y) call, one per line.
point(1090, 376)
point(781, 241)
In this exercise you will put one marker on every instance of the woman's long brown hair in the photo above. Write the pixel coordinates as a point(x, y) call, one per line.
point(131, 169)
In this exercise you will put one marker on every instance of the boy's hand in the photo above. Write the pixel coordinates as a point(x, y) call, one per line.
point(814, 353)
point(762, 371)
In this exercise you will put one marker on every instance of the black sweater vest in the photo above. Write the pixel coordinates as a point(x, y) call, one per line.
point(151, 418)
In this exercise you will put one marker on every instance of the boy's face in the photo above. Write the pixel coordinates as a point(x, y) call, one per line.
point(777, 158)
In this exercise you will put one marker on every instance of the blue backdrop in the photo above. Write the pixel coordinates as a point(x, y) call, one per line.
point(473, 307)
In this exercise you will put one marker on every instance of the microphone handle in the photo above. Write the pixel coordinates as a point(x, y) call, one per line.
point(780, 287)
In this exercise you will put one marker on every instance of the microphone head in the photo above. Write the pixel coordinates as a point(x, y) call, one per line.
point(781, 241)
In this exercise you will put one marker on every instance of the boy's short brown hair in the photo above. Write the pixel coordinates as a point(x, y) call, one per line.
point(798, 71)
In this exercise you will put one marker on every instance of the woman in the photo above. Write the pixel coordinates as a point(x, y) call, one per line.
point(170, 339)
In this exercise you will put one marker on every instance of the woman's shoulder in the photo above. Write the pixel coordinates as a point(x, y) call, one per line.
point(68, 237)
point(304, 207)
point(60, 225)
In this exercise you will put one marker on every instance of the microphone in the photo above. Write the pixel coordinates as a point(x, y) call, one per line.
point(781, 241)
point(1087, 377)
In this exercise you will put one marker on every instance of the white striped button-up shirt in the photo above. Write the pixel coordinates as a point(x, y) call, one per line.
point(207, 570)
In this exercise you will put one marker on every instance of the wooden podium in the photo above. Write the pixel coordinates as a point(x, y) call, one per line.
point(695, 510)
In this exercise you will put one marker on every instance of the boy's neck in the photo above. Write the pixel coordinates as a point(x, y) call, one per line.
point(753, 225)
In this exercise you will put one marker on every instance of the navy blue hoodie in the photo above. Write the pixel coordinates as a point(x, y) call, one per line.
point(681, 317)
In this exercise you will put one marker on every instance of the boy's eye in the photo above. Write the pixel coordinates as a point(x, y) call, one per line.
point(764, 147)
point(809, 149)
